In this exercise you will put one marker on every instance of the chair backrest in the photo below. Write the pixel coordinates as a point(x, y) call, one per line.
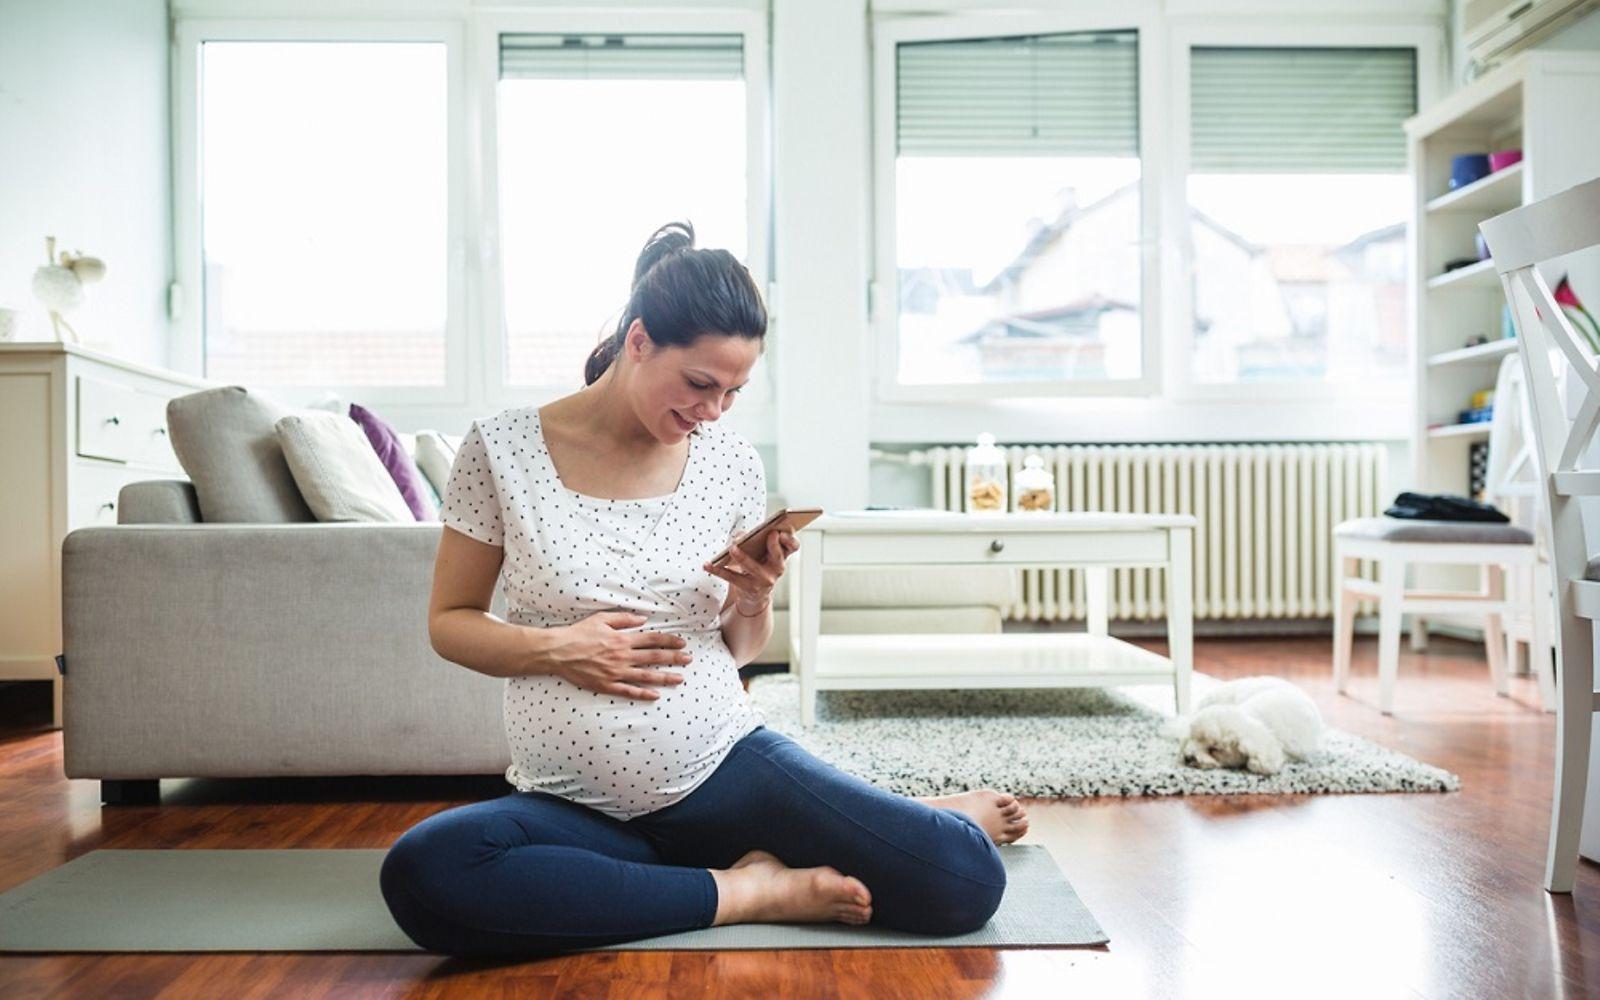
point(1548, 344)
point(1511, 476)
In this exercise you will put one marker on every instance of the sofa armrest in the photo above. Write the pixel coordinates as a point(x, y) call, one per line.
point(158, 501)
point(264, 649)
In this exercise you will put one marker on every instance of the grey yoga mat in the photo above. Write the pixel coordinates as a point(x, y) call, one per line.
point(328, 900)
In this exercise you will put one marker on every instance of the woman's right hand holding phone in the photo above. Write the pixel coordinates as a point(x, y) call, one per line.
point(597, 655)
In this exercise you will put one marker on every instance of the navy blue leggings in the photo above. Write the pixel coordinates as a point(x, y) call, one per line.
point(530, 873)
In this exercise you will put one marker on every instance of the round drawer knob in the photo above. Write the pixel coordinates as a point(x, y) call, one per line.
point(996, 545)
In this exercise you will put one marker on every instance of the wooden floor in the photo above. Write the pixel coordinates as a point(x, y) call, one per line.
point(1366, 896)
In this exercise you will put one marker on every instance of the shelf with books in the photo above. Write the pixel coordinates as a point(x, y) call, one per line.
point(1499, 192)
point(1479, 275)
point(1478, 429)
point(1489, 353)
point(1539, 102)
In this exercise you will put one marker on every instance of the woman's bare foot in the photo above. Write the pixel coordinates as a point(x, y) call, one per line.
point(759, 888)
point(1001, 816)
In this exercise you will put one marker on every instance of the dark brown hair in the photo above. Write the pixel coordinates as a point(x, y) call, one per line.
point(681, 293)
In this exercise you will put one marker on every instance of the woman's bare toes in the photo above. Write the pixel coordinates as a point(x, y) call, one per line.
point(996, 812)
point(760, 888)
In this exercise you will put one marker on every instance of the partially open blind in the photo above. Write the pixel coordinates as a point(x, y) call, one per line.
point(1044, 95)
point(1270, 110)
point(622, 57)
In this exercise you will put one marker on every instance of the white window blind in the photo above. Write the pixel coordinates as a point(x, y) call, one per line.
point(621, 57)
point(1043, 95)
point(1300, 110)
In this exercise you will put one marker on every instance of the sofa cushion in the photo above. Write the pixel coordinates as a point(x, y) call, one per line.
point(337, 471)
point(391, 451)
point(435, 455)
point(1405, 529)
point(226, 442)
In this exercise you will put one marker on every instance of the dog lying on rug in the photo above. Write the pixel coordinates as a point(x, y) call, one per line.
point(1254, 723)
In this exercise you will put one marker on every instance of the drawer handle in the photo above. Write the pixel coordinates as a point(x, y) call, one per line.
point(996, 545)
point(109, 505)
point(113, 419)
point(159, 430)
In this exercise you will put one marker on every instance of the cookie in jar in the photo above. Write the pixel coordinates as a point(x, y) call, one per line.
point(1036, 487)
point(986, 478)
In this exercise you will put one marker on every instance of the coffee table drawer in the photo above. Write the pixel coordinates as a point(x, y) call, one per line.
point(999, 548)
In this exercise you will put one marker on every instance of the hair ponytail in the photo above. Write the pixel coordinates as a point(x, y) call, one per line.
point(681, 292)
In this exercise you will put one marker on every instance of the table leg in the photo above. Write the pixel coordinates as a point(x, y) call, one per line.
point(1180, 612)
point(805, 600)
point(1096, 580)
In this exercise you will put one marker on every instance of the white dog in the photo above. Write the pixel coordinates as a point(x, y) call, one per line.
point(1253, 722)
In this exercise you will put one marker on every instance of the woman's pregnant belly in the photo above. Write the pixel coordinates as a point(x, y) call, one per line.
point(628, 756)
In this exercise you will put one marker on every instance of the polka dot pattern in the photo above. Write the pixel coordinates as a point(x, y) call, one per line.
point(569, 555)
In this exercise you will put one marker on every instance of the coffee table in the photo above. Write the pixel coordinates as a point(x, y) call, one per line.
point(860, 540)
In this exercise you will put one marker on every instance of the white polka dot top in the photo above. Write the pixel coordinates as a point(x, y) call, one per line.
point(569, 555)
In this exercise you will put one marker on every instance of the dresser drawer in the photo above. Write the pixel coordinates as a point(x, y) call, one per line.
point(92, 489)
point(999, 548)
point(122, 424)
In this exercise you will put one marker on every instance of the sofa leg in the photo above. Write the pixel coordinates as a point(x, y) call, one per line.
point(130, 792)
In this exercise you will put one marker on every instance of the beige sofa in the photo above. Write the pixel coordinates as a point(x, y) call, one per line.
point(196, 649)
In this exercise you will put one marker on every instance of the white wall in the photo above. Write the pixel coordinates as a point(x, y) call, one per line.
point(83, 157)
point(1583, 34)
point(822, 162)
point(113, 200)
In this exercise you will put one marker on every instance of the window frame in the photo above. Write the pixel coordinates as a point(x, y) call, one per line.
point(1398, 31)
point(496, 393)
point(188, 341)
point(883, 282)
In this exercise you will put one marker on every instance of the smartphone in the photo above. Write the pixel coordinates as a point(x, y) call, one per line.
point(754, 542)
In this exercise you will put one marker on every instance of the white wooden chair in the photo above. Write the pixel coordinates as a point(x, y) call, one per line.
point(1553, 355)
point(1396, 543)
point(1513, 476)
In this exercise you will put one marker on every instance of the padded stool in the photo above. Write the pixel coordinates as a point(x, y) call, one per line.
point(1394, 544)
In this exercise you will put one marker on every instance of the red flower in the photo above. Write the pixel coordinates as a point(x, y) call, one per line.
point(1565, 295)
point(1567, 299)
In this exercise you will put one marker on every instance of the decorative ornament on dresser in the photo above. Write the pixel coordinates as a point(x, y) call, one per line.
point(59, 286)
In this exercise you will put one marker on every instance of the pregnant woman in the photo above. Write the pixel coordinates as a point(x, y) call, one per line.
point(650, 795)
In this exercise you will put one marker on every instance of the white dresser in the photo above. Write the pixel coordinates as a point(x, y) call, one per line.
point(75, 425)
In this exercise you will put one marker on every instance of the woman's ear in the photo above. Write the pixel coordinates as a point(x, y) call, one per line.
point(636, 343)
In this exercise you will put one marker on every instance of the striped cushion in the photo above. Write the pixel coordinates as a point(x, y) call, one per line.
point(1401, 529)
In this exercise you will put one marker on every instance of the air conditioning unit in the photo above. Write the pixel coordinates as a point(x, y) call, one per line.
point(1494, 29)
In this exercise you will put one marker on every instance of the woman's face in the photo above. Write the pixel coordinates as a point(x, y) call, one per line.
point(676, 388)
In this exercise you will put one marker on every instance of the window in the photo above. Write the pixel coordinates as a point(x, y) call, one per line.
point(324, 192)
point(1298, 197)
point(1017, 210)
point(601, 139)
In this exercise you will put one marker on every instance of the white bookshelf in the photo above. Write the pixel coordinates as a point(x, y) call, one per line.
point(1545, 103)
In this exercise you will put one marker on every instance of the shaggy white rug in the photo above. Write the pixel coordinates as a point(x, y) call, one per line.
point(1054, 742)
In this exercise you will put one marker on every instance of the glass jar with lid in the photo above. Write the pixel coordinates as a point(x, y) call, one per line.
point(986, 478)
point(1036, 487)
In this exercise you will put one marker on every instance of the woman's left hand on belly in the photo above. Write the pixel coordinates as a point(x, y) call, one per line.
point(752, 580)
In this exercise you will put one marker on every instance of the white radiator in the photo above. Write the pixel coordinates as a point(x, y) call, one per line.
point(1263, 545)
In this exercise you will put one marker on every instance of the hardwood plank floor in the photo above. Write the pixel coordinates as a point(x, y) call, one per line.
point(1369, 896)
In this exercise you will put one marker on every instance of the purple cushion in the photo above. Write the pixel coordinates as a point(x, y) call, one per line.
point(402, 469)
